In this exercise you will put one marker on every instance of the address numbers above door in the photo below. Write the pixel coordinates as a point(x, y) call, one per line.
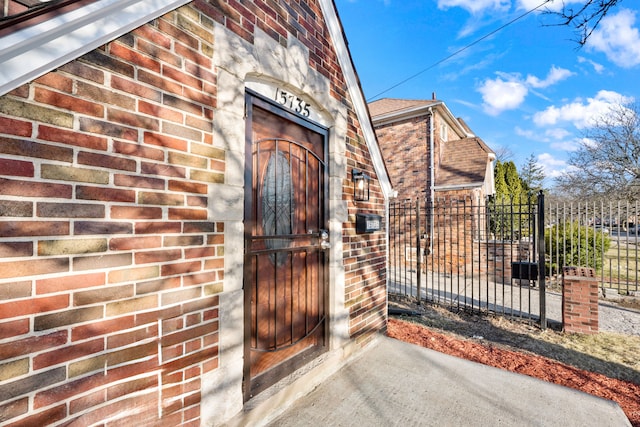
point(292, 102)
point(295, 102)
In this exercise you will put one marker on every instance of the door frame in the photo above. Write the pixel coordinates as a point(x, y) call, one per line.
point(254, 98)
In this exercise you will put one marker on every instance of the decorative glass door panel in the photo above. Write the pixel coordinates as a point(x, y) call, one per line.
point(285, 245)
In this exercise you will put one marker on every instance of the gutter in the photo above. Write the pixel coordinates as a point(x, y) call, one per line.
point(468, 186)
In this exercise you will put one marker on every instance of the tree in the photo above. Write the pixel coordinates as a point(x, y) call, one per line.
point(607, 162)
point(509, 204)
point(584, 18)
point(514, 183)
point(532, 176)
point(507, 181)
point(500, 183)
point(503, 154)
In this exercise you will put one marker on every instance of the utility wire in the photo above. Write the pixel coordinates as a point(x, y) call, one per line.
point(459, 50)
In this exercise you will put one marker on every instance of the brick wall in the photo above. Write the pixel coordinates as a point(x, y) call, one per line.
point(455, 229)
point(405, 148)
point(365, 258)
point(111, 265)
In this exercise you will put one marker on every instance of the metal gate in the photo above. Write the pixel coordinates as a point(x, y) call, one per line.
point(481, 255)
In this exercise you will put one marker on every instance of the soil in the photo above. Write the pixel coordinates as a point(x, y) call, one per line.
point(624, 390)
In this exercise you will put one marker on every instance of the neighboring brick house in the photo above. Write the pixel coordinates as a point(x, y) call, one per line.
point(433, 158)
point(410, 130)
point(177, 219)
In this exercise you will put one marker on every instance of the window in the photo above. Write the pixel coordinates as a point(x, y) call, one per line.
point(444, 132)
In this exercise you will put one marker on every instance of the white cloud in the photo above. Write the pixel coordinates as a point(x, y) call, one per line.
point(552, 6)
point(552, 166)
point(508, 91)
point(566, 145)
point(598, 68)
point(527, 133)
point(587, 142)
point(555, 75)
point(475, 6)
point(617, 37)
point(555, 137)
point(581, 113)
point(499, 95)
point(557, 133)
point(479, 6)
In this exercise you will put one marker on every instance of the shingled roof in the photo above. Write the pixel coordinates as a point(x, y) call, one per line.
point(463, 162)
point(391, 105)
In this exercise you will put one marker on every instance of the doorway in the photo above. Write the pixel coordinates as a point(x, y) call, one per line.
point(286, 243)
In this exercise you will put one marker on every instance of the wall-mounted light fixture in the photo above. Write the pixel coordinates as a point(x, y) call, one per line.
point(360, 185)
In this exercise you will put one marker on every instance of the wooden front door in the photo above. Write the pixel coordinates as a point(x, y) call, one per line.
point(286, 243)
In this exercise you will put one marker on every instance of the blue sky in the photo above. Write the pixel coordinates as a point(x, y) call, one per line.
point(528, 88)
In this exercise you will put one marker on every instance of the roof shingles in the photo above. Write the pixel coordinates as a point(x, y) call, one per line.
point(391, 105)
point(463, 162)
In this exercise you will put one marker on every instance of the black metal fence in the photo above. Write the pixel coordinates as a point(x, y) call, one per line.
point(603, 236)
point(505, 256)
point(463, 253)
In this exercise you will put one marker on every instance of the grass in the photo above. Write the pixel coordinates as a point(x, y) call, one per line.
point(621, 269)
point(610, 354)
point(622, 262)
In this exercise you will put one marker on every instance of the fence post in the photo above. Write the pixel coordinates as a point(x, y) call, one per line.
point(541, 263)
point(418, 255)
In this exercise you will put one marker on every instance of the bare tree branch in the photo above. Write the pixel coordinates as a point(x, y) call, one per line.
point(584, 18)
point(608, 160)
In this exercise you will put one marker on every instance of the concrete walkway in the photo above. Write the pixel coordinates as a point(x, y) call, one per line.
point(398, 384)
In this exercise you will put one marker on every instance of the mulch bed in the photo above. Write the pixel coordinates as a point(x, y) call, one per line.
point(625, 393)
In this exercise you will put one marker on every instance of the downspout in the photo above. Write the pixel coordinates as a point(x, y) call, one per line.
point(431, 181)
point(431, 161)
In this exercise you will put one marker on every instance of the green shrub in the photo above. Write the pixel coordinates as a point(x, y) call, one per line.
point(569, 244)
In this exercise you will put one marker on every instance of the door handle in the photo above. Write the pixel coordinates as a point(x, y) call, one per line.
point(324, 240)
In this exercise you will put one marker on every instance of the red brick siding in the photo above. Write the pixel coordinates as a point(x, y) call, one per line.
point(365, 259)
point(108, 309)
point(579, 300)
point(109, 266)
point(405, 148)
point(302, 19)
point(364, 255)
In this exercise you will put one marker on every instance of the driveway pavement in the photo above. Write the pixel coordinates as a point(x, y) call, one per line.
point(398, 384)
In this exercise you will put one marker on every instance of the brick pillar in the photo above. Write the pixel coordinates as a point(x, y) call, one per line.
point(499, 255)
point(579, 300)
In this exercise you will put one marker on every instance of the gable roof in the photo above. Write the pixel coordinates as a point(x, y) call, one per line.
point(29, 51)
point(463, 163)
point(393, 105)
point(389, 110)
point(465, 126)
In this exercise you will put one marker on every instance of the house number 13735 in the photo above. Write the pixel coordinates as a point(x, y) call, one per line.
point(292, 102)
